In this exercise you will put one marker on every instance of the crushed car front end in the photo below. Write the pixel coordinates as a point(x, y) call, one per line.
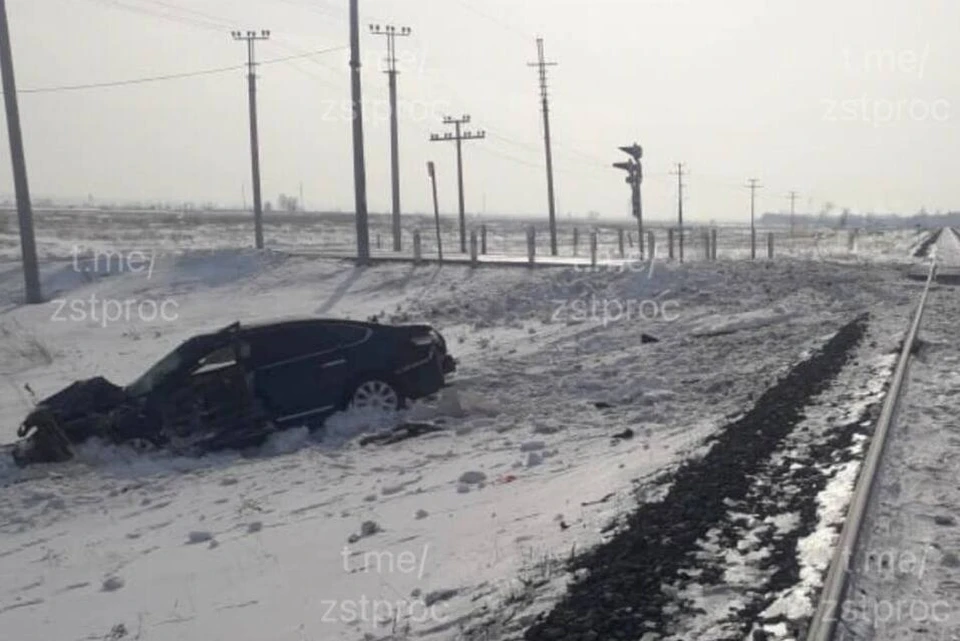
point(69, 417)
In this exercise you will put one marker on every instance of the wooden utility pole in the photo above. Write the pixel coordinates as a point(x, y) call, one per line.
point(28, 247)
point(459, 136)
point(542, 65)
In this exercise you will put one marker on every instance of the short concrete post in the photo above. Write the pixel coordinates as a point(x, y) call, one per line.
point(620, 243)
point(483, 239)
point(852, 240)
point(593, 248)
point(417, 249)
point(713, 244)
point(770, 245)
point(531, 244)
point(473, 247)
point(670, 243)
point(707, 249)
point(651, 246)
point(378, 241)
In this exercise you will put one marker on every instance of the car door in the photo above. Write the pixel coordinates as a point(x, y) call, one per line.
point(296, 371)
point(212, 397)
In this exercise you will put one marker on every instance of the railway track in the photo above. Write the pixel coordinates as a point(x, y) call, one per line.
point(742, 544)
point(886, 580)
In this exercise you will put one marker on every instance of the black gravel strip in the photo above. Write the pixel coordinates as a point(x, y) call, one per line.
point(923, 249)
point(620, 596)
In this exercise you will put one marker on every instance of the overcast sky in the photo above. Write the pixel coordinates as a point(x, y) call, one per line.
point(854, 102)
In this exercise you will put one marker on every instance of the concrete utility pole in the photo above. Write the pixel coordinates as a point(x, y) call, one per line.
point(753, 185)
point(793, 209)
point(542, 65)
point(432, 172)
point(391, 33)
point(359, 166)
point(679, 174)
point(634, 178)
point(28, 247)
point(459, 136)
point(251, 37)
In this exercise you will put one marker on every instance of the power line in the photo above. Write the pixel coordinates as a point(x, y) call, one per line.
point(172, 76)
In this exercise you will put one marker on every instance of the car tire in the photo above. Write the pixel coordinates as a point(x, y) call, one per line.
point(376, 393)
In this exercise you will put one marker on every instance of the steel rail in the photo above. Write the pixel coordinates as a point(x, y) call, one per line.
point(824, 622)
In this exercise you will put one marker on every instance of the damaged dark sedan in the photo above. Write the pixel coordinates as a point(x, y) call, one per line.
point(233, 387)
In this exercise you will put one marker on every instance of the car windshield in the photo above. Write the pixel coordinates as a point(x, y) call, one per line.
point(164, 367)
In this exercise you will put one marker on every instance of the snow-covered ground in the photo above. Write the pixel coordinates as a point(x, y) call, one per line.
point(562, 421)
point(906, 583)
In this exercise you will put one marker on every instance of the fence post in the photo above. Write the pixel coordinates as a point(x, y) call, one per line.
point(770, 245)
point(670, 243)
point(483, 239)
point(531, 244)
point(620, 242)
point(473, 247)
point(378, 241)
point(576, 240)
point(705, 237)
point(417, 253)
point(652, 245)
point(593, 248)
point(852, 240)
point(713, 244)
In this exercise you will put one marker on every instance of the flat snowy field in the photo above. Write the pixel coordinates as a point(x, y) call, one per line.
point(562, 421)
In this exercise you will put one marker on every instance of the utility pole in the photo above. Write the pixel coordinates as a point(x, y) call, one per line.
point(391, 33)
point(359, 166)
point(28, 247)
point(793, 210)
point(753, 184)
point(251, 37)
point(679, 174)
point(432, 172)
point(542, 65)
point(459, 136)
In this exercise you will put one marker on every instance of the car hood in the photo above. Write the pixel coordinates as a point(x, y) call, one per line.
point(82, 398)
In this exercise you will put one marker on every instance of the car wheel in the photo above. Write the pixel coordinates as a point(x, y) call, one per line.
point(376, 394)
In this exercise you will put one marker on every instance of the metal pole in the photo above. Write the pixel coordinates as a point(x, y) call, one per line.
point(28, 246)
point(359, 167)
